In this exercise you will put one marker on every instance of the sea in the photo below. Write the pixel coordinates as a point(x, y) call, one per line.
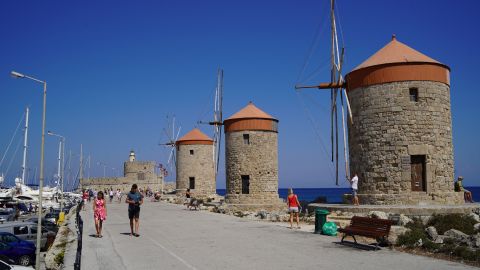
point(334, 195)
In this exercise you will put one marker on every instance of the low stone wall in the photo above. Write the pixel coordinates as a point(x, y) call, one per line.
point(413, 198)
point(408, 210)
point(122, 183)
point(60, 254)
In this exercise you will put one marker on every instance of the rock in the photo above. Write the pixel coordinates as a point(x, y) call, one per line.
point(439, 239)
point(404, 220)
point(274, 217)
point(395, 232)
point(475, 217)
point(419, 243)
point(425, 219)
point(284, 217)
point(475, 240)
point(378, 214)
point(432, 232)
point(262, 214)
point(458, 236)
point(476, 226)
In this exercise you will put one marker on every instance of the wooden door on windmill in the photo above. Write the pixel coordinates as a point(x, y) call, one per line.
point(418, 173)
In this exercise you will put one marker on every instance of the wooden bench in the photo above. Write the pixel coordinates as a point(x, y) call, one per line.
point(368, 227)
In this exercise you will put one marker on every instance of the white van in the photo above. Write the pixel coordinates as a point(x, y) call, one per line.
point(25, 231)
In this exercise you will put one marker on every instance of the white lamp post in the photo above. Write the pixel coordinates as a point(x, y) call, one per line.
point(42, 154)
point(61, 160)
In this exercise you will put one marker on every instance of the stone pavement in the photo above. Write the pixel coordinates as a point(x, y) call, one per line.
point(175, 238)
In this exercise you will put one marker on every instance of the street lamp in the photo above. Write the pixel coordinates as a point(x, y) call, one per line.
point(42, 154)
point(61, 169)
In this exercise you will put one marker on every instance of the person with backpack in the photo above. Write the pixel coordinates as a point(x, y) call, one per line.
point(134, 200)
point(293, 207)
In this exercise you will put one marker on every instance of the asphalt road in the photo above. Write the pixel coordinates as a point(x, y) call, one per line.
point(172, 237)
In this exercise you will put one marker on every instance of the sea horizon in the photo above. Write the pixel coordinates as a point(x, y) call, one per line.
point(335, 194)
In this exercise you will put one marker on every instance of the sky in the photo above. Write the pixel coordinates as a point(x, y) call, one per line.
point(116, 69)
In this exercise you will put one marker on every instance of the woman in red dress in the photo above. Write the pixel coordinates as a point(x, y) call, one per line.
point(99, 212)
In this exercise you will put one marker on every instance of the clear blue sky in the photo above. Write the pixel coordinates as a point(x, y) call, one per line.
point(115, 69)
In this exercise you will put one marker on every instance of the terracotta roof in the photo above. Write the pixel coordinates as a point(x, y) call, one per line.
point(194, 135)
point(396, 52)
point(250, 111)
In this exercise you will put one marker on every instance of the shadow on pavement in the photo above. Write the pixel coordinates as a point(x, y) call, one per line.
point(357, 245)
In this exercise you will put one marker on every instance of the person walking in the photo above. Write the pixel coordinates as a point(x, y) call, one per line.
point(293, 207)
point(111, 194)
point(99, 212)
point(188, 198)
point(85, 198)
point(354, 185)
point(134, 200)
point(119, 195)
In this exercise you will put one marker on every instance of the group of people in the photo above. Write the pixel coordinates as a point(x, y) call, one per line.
point(134, 200)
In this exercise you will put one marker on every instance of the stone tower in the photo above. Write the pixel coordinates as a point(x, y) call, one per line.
point(195, 165)
point(401, 137)
point(251, 157)
point(131, 157)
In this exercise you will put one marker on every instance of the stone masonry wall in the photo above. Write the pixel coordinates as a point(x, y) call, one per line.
point(388, 128)
point(122, 183)
point(141, 173)
point(259, 160)
point(133, 169)
point(199, 165)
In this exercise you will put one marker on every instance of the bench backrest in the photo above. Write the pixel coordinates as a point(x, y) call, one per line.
point(371, 224)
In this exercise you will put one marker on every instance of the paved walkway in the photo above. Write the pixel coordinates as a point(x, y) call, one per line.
point(174, 238)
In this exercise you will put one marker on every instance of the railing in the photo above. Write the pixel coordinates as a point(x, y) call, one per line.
point(78, 258)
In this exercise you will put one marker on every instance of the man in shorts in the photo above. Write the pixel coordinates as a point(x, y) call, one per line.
point(354, 185)
point(134, 200)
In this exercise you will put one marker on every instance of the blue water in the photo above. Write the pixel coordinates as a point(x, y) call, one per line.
point(334, 195)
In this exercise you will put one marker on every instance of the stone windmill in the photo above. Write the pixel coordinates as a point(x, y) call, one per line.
point(400, 133)
point(251, 158)
point(195, 166)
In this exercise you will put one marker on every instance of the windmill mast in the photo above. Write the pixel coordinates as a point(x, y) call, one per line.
point(336, 85)
point(217, 120)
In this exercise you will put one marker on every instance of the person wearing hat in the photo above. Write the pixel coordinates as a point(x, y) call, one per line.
point(459, 188)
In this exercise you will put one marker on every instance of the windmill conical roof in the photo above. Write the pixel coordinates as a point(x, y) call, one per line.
point(396, 52)
point(195, 135)
point(251, 111)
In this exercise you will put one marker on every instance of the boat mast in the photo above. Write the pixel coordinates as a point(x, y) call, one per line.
point(25, 142)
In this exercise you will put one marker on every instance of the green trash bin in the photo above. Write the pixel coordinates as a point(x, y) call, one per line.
point(320, 219)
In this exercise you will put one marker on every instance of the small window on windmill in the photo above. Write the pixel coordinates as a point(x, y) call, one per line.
point(246, 138)
point(191, 152)
point(191, 182)
point(413, 94)
point(245, 184)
